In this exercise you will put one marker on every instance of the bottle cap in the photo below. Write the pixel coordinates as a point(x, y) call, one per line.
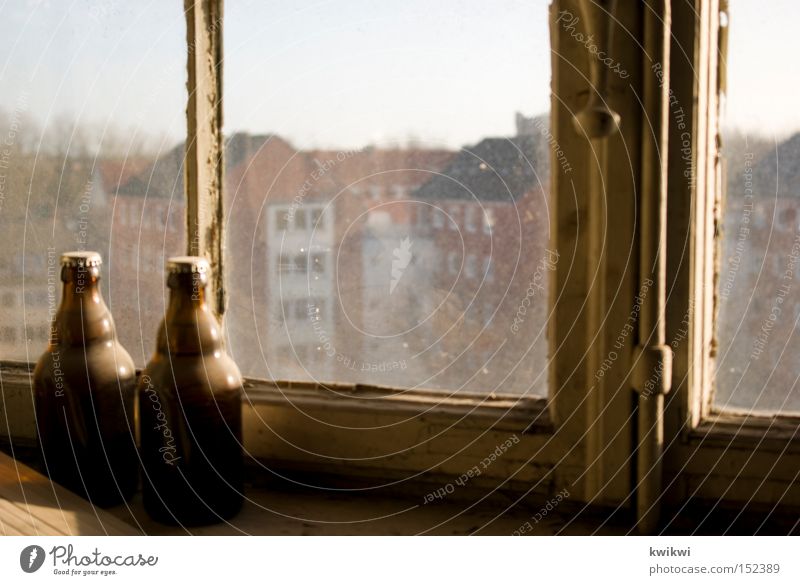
point(81, 259)
point(188, 265)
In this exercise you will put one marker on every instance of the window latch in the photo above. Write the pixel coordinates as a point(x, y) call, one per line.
point(652, 369)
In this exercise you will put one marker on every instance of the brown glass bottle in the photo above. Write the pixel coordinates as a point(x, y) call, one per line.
point(190, 403)
point(84, 389)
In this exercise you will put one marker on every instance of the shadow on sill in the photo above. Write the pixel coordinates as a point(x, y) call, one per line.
point(280, 507)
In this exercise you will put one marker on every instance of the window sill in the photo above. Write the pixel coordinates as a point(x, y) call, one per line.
point(773, 433)
point(508, 413)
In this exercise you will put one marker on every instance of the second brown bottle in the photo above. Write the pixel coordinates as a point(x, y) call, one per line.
point(190, 409)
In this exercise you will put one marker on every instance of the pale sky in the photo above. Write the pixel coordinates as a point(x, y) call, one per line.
point(335, 73)
point(763, 70)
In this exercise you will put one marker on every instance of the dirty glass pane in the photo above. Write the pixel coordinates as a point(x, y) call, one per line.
point(759, 280)
point(387, 193)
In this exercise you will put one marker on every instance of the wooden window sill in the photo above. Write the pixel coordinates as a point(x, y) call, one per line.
point(32, 505)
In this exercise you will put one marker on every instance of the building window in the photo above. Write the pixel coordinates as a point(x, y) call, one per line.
point(281, 220)
point(438, 218)
point(471, 266)
point(452, 263)
point(301, 309)
point(285, 264)
point(300, 219)
point(453, 211)
point(301, 262)
point(318, 263)
point(469, 217)
point(314, 310)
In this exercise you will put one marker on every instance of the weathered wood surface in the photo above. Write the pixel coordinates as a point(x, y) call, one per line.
point(32, 505)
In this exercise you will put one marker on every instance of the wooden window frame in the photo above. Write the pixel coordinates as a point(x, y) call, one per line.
point(738, 458)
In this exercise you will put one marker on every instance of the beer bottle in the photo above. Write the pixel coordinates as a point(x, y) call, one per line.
point(191, 409)
point(84, 390)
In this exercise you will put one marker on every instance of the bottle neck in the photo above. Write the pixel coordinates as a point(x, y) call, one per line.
point(83, 316)
point(80, 288)
point(189, 326)
point(186, 295)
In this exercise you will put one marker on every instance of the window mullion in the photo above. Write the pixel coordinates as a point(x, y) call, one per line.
point(204, 166)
